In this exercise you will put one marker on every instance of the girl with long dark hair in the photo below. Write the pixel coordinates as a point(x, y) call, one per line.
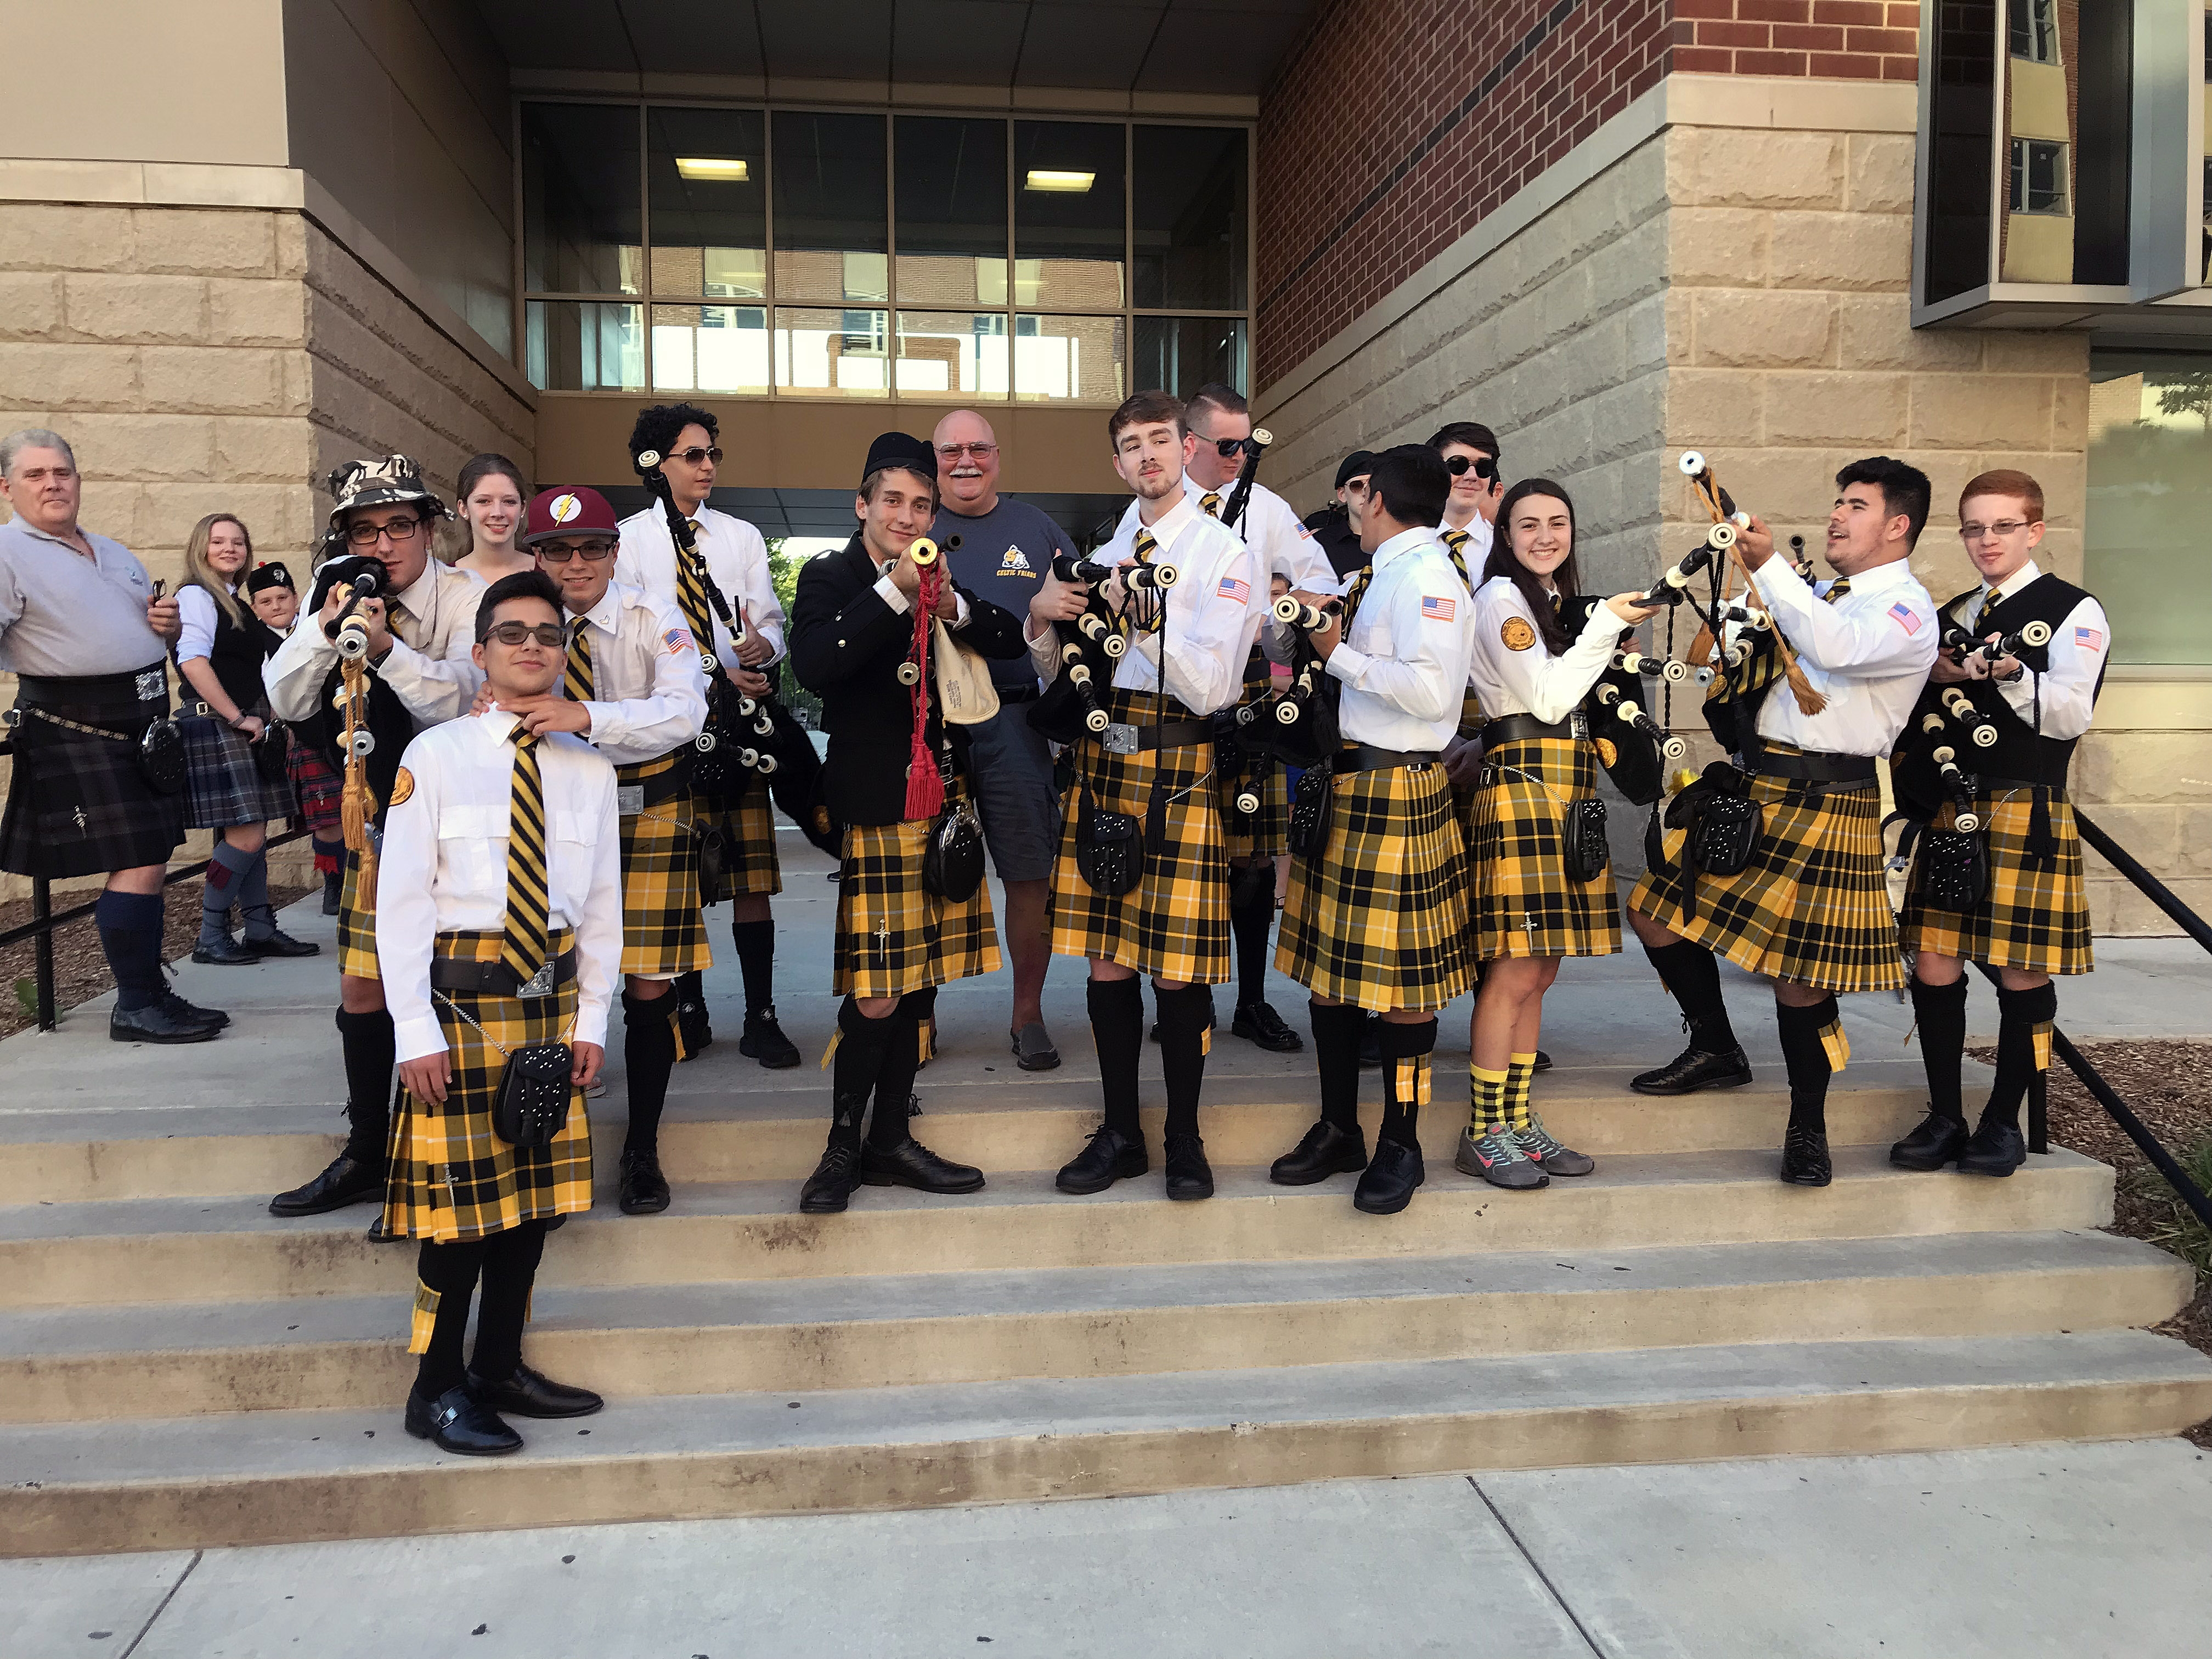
point(490, 513)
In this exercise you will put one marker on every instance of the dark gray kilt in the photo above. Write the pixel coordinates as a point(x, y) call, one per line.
point(79, 804)
point(223, 786)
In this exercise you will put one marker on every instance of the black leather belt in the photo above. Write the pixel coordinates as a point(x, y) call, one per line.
point(1515, 728)
point(492, 978)
point(1028, 693)
point(1812, 768)
point(1366, 757)
point(1121, 739)
point(1990, 785)
point(98, 697)
point(660, 787)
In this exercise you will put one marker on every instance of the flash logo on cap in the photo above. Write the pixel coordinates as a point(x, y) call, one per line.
point(564, 509)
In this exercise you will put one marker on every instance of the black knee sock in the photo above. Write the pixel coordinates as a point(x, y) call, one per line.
point(1806, 1035)
point(1337, 1029)
point(1689, 972)
point(1185, 1018)
point(130, 934)
point(756, 942)
point(1252, 923)
point(2023, 1016)
point(510, 1268)
point(648, 1056)
point(370, 1048)
point(923, 1003)
point(449, 1271)
point(858, 1062)
point(1117, 1026)
point(257, 914)
point(1406, 1051)
point(1940, 1011)
point(223, 887)
point(895, 1079)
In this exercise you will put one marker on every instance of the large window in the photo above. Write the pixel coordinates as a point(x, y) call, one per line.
point(2149, 535)
point(802, 253)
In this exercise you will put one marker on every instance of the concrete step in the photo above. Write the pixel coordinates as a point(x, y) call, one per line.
point(793, 1336)
point(62, 1255)
point(773, 1131)
point(261, 1477)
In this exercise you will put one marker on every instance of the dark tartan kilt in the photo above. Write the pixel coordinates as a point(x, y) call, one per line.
point(316, 789)
point(80, 805)
point(1523, 903)
point(2036, 917)
point(451, 1178)
point(357, 921)
point(223, 786)
point(893, 935)
point(662, 933)
point(1267, 832)
point(1381, 919)
point(748, 855)
point(1811, 906)
point(1174, 924)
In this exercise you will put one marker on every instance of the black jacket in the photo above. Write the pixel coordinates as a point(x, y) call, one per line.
point(846, 647)
point(1340, 542)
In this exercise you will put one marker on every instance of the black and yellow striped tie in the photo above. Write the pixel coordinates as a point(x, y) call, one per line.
point(1356, 592)
point(578, 685)
point(691, 597)
point(1455, 543)
point(1470, 706)
point(1147, 544)
point(1210, 504)
point(524, 941)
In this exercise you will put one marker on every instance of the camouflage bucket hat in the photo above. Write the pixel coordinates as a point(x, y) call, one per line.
point(378, 483)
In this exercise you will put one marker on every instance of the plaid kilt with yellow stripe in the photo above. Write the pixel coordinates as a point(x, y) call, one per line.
point(1267, 832)
point(1523, 905)
point(1811, 906)
point(358, 922)
point(749, 864)
point(662, 933)
point(1174, 924)
point(893, 935)
point(2036, 917)
point(1380, 920)
point(451, 1178)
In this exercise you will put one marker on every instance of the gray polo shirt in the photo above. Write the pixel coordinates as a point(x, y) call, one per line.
point(64, 616)
point(1004, 556)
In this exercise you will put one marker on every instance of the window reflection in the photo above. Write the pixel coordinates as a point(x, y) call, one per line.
point(952, 354)
point(2149, 531)
point(1188, 217)
point(832, 239)
point(581, 229)
point(1069, 207)
point(951, 211)
point(708, 172)
point(1077, 359)
point(584, 345)
point(839, 353)
point(1182, 354)
point(710, 348)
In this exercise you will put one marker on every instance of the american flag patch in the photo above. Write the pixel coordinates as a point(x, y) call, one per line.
point(1901, 613)
point(1438, 610)
point(2089, 639)
point(677, 640)
point(1232, 588)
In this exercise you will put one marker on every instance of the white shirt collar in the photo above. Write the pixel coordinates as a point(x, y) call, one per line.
point(1193, 490)
point(1402, 543)
point(2012, 584)
point(417, 598)
point(1171, 522)
point(606, 612)
point(1894, 573)
point(498, 723)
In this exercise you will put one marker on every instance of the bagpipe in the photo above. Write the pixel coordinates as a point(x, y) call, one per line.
point(2028, 645)
point(1240, 491)
point(1074, 705)
point(1297, 726)
point(366, 729)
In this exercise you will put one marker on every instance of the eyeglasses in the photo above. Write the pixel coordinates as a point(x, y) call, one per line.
point(402, 530)
point(695, 455)
point(556, 553)
point(954, 452)
point(1483, 466)
point(1229, 449)
point(552, 634)
point(2001, 529)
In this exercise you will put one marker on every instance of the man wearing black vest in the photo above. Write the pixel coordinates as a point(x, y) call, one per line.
point(1336, 526)
point(2033, 919)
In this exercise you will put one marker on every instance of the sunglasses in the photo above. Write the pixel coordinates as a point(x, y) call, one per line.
point(552, 634)
point(594, 551)
point(1229, 449)
point(695, 455)
point(1483, 465)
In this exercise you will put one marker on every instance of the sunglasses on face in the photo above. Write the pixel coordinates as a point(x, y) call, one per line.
point(1483, 466)
point(1229, 449)
point(695, 455)
point(552, 634)
point(594, 551)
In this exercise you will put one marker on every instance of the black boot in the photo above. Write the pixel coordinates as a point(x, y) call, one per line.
point(1116, 1150)
point(357, 1174)
point(1813, 1045)
point(860, 1059)
point(1937, 1141)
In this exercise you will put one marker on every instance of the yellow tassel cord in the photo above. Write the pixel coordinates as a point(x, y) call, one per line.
point(357, 802)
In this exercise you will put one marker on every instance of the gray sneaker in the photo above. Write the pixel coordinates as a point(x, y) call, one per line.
point(1033, 1050)
point(1498, 1159)
point(1550, 1155)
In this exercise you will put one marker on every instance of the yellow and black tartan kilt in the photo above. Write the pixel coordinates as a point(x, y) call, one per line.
point(893, 935)
point(451, 1178)
point(1523, 903)
point(749, 856)
point(1381, 919)
point(357, 921)
point(2036, 917)
point(1267, 832)
point(662, 933)
point(1811, 906)
point(1174, 924)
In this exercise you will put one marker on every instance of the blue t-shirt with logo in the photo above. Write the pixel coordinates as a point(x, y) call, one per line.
point(1004, 556)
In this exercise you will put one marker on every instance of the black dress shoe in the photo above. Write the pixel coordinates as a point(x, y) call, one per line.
point(764, 1041)
point(1692, 1070)
point(1108, 1158)
point(180, 1009)
point(830, 1186)
point(1370, 1043)
point(1805, 1157)
point(532, 1394)
point(278, 943)
point(1326, 1151)
point(1994, 1149)
point(1937, 1141)
point(1386, 1186)
point(346, 1180)
point(1263, 1025)
point(155, 1024)
point(1543, 1061)
point(226, 952)
point(1190, 1176)
point(640, 1187)
point(333, 889)
point(910, 1164)
point(459, 1422)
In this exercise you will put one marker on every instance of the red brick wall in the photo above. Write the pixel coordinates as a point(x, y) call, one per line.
point(1394, 126)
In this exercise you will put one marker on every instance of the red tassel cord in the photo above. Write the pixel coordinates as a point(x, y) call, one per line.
point(925, 788)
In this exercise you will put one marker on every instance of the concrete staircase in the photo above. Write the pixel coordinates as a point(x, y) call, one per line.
point(178, 1369)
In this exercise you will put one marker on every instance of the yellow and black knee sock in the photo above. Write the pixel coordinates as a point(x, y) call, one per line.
point(1337, 1029)
point(650, 1046)
point(2024, 1022)
point(1406, 1052)
point(445, 1279)
point(1186, 1033)
point(1520, 1071)
point(1939, 1013)
point(1485, 1092)
point(1814, 1048)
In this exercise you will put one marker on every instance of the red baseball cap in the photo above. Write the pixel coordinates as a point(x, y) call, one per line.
point(580, 511)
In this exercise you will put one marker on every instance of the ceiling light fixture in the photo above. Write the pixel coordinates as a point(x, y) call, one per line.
point(1073, 182)
point(722, 169)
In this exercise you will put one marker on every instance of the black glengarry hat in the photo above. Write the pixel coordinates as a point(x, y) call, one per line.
point(903, 450)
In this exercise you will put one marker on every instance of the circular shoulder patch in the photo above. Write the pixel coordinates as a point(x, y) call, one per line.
point(402, 787)
point(1517, 633)
point(1609, 753)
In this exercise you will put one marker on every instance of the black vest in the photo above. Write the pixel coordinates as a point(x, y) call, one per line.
point(236, 656)
point(2019, 751)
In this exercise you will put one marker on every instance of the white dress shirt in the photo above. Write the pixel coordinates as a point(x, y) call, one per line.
point(196, 611)
point(737, 558)
point(1525, 678)
point(2077, 651)
point(648, 683)
point(1479, 535)
point(1212, 615)
point(1404, 661)
point(435, 676)
point(443, 867)
point(1868, 653)
point(1272, 530)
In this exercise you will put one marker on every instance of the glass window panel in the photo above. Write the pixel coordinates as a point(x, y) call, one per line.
point(833, 353)
point(832, 235)
point(1959, 202)
point(710, 348)
point(707, 172)
point(584, 345)
point(1073, 359)
point(1068, 229)
point(2149, 532)
point(1187, 209)
point(1182, 354)
point(952, 354)
point(951, 211)
point(581, 230)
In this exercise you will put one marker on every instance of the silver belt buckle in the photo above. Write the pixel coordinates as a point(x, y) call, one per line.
point(152, 685)
point(1119, 740)
point(539, 984)
point(1578, 723)
point(630, 799)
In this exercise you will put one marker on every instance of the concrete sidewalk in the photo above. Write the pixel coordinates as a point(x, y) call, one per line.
point(2067, 1552)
